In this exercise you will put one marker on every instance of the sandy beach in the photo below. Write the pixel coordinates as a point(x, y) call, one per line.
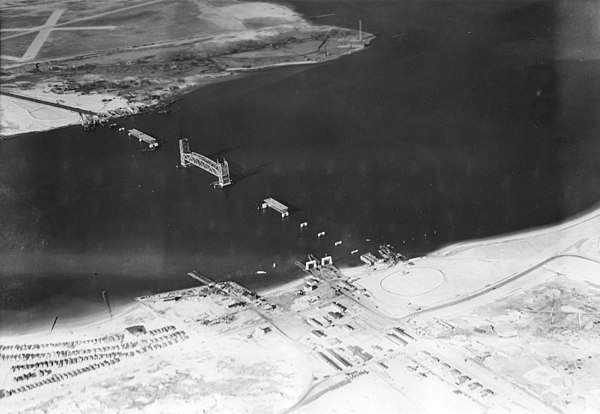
point(19, 116)
point(467, 267)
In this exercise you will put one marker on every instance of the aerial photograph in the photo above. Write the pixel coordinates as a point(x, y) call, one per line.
point(300, 206)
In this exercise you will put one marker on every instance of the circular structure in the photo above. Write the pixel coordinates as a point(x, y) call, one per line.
point(412, 282)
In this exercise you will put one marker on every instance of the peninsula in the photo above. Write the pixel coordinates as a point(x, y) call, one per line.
point(119, 57)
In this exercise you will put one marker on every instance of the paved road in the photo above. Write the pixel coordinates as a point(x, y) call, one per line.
point(491, 288)
point(42, 36)
point(49, 103)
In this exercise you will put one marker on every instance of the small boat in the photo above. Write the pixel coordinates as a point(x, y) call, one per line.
point(261, 272)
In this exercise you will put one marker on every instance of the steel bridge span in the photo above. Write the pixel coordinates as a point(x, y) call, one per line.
point(218, 169)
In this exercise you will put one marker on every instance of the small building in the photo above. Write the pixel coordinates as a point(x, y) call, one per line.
point(312, 281)
point(329, 361)
point(236, 305)
point(313, 322)
point(333, 341)
point(343, 284)
point(335, 315)
point(487, 392)
point(396, 339)
point(340, 308)
point(136, 330)
point(310, 288)
point(340, 358)
point(358, 352)
point(474, 385)
point(402, 333)
point(264, 330)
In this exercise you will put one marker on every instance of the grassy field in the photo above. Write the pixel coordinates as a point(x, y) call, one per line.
point(150, 22)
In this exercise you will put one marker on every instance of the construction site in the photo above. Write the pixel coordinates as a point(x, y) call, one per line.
point(509, 324)
point(303, 346)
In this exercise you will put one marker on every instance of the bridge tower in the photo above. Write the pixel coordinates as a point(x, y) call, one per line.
point(218, 169)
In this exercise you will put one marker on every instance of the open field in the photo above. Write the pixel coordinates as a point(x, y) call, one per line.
point(481, 267)
point(545, 337)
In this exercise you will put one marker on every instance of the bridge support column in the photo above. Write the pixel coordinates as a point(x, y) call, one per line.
point(184, 148)
point(223, 176)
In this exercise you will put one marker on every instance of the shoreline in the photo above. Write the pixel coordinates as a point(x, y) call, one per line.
point(148, 109)
point(85, 322)
point(459, 247)
point(136, 107)
point(95, 319)
point(119, 80)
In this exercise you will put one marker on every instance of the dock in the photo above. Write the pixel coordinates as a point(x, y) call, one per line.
point(276, 205)
point(151, 141)
point(205, 280)
point(370, 259)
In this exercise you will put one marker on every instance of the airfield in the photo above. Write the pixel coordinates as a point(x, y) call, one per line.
point(128, 57)
point(503, 325)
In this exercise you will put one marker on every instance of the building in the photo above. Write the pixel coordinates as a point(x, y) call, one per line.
point(335, 315)
point(136, 330)
point(339, 308)
point(235, 305)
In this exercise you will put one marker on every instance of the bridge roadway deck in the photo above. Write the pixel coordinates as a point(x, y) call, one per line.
point(142, 136)
point(49, 103)
point(275, 205)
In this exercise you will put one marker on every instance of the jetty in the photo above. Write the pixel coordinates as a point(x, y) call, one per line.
point(205, 280)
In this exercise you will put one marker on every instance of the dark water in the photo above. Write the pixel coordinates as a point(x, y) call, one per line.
point(462, 120)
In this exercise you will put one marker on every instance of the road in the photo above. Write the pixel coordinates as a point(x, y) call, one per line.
point(446, 306)
point(49, 103)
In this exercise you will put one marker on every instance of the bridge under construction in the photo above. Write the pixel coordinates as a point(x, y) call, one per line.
point(276, 205)
point(151, 141)
point(216, 168)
